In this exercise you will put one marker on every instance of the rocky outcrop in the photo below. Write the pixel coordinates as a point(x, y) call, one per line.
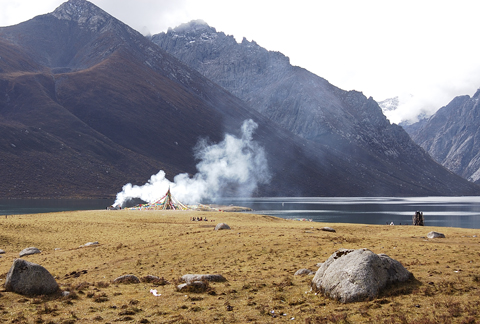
point(30, 279)
point(452, 136)
point(357, 275)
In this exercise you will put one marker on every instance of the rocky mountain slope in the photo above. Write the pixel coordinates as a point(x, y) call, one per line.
point(303, 103)
point(88, 104)
point(452, 136)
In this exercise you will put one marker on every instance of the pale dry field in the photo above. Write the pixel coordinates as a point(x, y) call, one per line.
point(258, 256)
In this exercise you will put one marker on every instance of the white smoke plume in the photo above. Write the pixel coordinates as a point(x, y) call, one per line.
point(234, 166)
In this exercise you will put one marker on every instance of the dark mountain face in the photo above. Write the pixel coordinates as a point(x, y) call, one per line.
point(87, 104)
point(452, 136)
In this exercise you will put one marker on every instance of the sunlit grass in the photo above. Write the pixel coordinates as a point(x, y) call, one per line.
point(258, 257)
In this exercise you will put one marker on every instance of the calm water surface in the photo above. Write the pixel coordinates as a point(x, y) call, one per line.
point(438, 211)
point(35, 206)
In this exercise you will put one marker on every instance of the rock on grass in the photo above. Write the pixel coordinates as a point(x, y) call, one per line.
point(30, 279)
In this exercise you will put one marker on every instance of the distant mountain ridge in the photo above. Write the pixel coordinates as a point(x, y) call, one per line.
point(303, 103)
point(88, 104)
point(452, 136)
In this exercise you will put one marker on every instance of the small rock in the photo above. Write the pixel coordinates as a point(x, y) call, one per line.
point(222, 226)
point(432, 235)
point(127, 279)
point(304, 272)
point(194, 286)
point(29, 251)
point(2, 251)
point(30, 279)
point(90, 244)
point(205, 277)
point(328, 229)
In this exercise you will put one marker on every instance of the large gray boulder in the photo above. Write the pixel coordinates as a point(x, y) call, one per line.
point(357, 275)
point(30, 279)
point(29, 251)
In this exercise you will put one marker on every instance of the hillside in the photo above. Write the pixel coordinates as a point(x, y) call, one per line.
point(452, 136)
point(88, 104)
point(258, 256)
point(352, 126)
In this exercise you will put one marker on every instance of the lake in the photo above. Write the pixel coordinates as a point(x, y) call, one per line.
point(438, 211)
point(35, 206)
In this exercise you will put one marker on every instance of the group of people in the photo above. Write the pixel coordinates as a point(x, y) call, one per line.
point(199, 219)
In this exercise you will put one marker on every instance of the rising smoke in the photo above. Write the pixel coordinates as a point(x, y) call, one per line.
point(235, 166)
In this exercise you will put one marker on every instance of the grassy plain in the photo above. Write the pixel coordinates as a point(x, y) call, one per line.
point(258, 256)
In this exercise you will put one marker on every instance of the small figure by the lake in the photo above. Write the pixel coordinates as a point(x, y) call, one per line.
point(418, 219)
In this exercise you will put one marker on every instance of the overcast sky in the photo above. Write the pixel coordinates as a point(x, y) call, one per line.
point(426, 52)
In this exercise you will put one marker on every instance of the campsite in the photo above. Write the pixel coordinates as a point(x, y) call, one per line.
point(258, 256)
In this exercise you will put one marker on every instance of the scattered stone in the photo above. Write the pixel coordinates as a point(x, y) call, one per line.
point(328, 229)
point(357, 275)
point(29, 279)
point(75, 274)
point(2, 251)
point(193, 286)
point(90, 244)
point(29, 251)
point(154, 280)
point(432, 235)
point(222, 226)
point(127, 279)
point(304, 272)
point(205, 277)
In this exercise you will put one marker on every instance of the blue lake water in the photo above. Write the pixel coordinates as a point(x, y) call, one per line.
point(35, 206)
point(438, 211)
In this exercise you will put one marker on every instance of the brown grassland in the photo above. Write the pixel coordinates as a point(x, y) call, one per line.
point(258, 257)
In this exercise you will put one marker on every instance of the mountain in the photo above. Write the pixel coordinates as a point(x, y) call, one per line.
point(88, 104)
point(389, 104)
point(349, 124)
point(452, 136)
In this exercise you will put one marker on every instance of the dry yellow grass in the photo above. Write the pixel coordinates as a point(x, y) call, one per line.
point(258, 257)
